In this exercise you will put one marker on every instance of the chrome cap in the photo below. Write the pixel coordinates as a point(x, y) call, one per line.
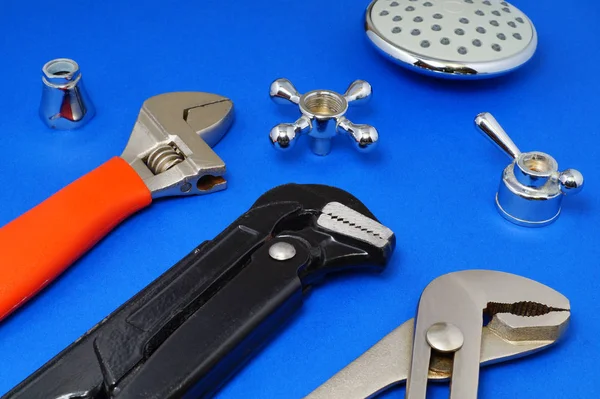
point(65, 103)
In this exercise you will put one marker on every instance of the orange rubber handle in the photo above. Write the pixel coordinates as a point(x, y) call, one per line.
point(40, 244)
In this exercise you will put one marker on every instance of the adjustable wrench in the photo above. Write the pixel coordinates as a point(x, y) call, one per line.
point(168, 154)
point(188, 331)
point(450, 340)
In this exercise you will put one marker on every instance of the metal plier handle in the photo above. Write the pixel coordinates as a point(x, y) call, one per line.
point(464, 320)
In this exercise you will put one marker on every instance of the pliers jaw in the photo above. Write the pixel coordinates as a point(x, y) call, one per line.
point(450, 317)
point(500, 317)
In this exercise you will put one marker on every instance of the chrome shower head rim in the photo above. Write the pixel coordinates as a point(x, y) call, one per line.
point(446, 68)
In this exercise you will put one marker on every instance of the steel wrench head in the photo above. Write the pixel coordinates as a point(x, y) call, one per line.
point(170, 145)
point(524, 317)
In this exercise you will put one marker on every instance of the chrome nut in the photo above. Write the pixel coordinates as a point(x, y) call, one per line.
point(322, 117)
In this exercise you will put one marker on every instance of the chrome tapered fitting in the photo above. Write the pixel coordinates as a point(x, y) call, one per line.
point(65, 103)
point(322, 117)
point(532, 188)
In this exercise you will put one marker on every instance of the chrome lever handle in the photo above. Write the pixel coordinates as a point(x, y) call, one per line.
point(490, 128)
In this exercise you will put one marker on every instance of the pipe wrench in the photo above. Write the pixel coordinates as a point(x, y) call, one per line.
point(188, 331)
point(464, 320)
point(169, 153)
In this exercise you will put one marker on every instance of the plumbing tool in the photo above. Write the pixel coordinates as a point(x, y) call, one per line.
point(188, 331)
point(168, 154)
point(464, 320)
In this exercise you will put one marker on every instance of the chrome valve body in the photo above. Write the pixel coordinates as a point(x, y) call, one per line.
point(322, 117)
point(532, 188)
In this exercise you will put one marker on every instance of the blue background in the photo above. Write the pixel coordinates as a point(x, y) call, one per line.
point(432, 180)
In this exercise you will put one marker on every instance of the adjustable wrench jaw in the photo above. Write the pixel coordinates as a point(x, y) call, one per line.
point(451, 315)
point(170, 145)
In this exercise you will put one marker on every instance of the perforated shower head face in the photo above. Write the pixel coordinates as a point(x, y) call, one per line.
point(466, 39)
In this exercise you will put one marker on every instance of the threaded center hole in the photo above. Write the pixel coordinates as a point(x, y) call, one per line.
point(538, 163)
point(324, 104)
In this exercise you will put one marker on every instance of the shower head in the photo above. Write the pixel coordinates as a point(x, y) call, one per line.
point(464, 39)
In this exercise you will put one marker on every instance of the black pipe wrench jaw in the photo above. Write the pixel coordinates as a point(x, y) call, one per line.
point(187, 332)
point(340, 230)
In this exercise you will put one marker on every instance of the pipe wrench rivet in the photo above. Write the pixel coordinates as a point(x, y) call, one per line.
point(445, 337)
point(532, 188)
point(282, 251)
point(322, 117)
point(65, 103)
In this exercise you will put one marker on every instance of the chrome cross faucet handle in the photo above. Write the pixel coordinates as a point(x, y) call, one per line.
point(532, 188)
point(322, 117)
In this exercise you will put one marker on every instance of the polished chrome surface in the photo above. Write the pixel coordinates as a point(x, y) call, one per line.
point(282, 91)
point(532, 188)
point(322, 117)
point(65, 103)
point(282, 251)
point(170, 145)
point(491, 129)
point(341, 219)
point(526, 317)
point(463, 39)
point(571, 181)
